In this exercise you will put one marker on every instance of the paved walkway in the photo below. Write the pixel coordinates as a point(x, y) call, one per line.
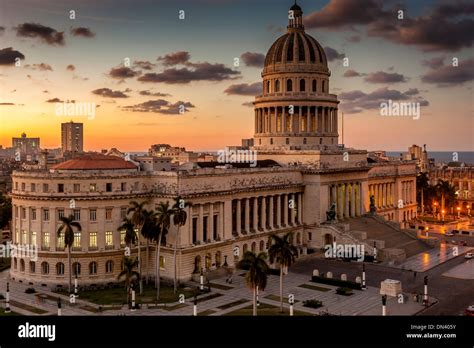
point(427, 260)
point(462, 271)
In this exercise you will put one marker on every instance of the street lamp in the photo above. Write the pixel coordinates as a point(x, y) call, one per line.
point(435, 204)
point(468, 207)
point(459, 212)
point(443, 212)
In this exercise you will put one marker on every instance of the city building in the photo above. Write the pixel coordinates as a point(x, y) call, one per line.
point(301, 173)
point(178, 155)
point(72, 138)
point(25, 148)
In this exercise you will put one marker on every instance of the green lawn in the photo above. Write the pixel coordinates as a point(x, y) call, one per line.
point(119, 295)
point(277, 298)
point(314, 287)
point(266, 310)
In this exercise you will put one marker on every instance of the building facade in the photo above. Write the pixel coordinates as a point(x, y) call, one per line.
point(25, 148)
point(232, 209)
point(72, 137)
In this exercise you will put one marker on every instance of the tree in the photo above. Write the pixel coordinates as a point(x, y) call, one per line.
point(67, 226)
point(179, 219)
point(147, 233)
point(5, 210)
point(422, 184)
point(163, 222)
point(282, 251)
point(138, 219)
point(256, 276)
point(447, 193)
point(129, 273)
point(130, 234)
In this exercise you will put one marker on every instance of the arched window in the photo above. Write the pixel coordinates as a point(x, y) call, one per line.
point(268, 86)
point(304, 141)
point(254, 247)
point(302, 85)
point(271, 141)
point(60, 268)
point(93, 267)
point(245, 247)
point(76, 268)
point(314, 85)
point(262, 245)
point(289, 85)
point(109, 266)
point(277, 85)
point(15, 263)
point(324, 87)
point(22, 265)
point(45, 268)
point(32, 267)
point(287, 141)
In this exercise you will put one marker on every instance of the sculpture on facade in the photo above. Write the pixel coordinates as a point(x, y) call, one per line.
point(331, 213)
point(372, 205)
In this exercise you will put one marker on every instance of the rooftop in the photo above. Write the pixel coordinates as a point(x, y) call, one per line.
point(94, 162)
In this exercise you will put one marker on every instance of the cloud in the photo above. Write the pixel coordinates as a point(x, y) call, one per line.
point(71, 67)
point(8, 56)
point(122, 73)
point(447, 27)
point(143, 64)
point(6, 104)
point(357, 101)
point(160, 106)
point(54, 100)
point(45, 34)
point(175, 58)
point(40, 66)
point(154, 94)
point(253, 59)
point(245, 89)
point(108, 93)
point(45, 91)
point(332, 54)
point(433, 63)
point(198, 72)
point(249, 104)
point(351, 73)
point(449, 75)
point(82, 31)
point(2, 30)
point(383, 77)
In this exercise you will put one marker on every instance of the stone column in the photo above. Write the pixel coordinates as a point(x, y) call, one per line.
point(300, 208)
point(227, 220)
point(353, 201)
point(247, 215)
point(270, 206)
point(384, 195)
point(308, 119)
point(200, 223)
point(279, 211)
point(264, 213)
point(255, 214)
point(323, 118)
point(211, 222)
point(238, 217)
point(346, 200)
point(300, 119)
point(283, 120)
point(285, 210)
point(340, 209)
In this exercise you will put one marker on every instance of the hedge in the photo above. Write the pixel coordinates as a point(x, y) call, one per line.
point(337, 282)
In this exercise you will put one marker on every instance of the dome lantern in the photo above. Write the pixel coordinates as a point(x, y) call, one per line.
point(295, 16)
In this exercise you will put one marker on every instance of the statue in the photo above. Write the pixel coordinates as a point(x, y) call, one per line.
point(331, 213)
point(372, 205)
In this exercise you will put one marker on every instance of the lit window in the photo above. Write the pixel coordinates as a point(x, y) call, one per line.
point(33, 238)
point(162, 262)
point(93, 239)
point(77, 240)
point(93, 187)
point(108, 238)
point(122, 237)
point(45, 241)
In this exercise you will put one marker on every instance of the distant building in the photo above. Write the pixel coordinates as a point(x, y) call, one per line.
point(247, 143)
point(72, 138)
point(177, 154)
point(154, 163)
point(419, 154)
point(27, 148)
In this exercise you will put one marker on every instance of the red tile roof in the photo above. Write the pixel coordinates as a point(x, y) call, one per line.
point(94, 162)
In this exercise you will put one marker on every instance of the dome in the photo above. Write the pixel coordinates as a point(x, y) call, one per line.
point(295, 7)
point(94, 162)
point(296, 47)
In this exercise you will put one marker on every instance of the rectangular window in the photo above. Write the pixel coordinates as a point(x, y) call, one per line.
point(23, 186)
point(33, 238)
point(109, 239)
point(33, 187)
point(93, 215)
point(162, 262)
point(204, 229)
point(33, 214)
point(60, 241)
point(45, 241)
point(310, 236)
point(108, 187)
point(17, 236)
point(16, 211)
point(46, 214)
point(123, 213)
point(45, 188)
point(93, 187)
point(77, 240)
point(23, 213)
point(60, 187)
point(123, 186)
point(16, 185)
point(108, 214)
point(77, 188)
point(195, 220)
point(24, 237)
point(215, 227)
point(93, 239)
point(60, 213)
point(77, 215)
point(122, 237)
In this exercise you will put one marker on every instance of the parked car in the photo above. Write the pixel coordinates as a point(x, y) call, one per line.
point(453, 242)
point(470, 311)
point(462, 243)
point(469, 256)
point(449, 234)
point(454, 231)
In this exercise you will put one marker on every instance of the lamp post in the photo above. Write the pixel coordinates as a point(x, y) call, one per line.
point(442, 214)
point(7, 299)
point(459, 212)
point(201, 281)
point(384, 305)
point(425, 295)
point(133, 309)
point(75, 286)
point(59, 307)
point(363, 277)
point(435, 204)
point(195, 308)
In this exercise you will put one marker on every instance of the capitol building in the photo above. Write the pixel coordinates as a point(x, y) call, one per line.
point(302, 171)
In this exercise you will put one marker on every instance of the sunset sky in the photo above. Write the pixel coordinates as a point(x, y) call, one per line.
point(190, 62)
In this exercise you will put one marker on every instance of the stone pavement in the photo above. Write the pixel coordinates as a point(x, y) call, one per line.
point(462, 271)
point(432, 258)
point(232, 297)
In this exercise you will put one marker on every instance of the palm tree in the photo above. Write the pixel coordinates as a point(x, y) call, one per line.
point(422, 183)
point(179, 219)
point(284, 252)
point(446, 190)
point(163, 222)
point(129, 273)
point(130, 234)
point(138, 219)
point(67, 225)
point(256, 276)
point(147, 233)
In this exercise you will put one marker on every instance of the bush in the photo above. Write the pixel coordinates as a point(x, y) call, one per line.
point(2, 297)
point(344, 291)
point(336, 282)
point(30, 291)
point(312, 303)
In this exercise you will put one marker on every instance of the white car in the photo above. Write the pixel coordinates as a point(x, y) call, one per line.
point(449, 234)
point(469, 256)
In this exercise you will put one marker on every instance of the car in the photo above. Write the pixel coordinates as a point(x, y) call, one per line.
point(454, 231)
point(462, 243)
point(469, 256)
point(470, 311)
point(453, 242)
point(449, 234)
